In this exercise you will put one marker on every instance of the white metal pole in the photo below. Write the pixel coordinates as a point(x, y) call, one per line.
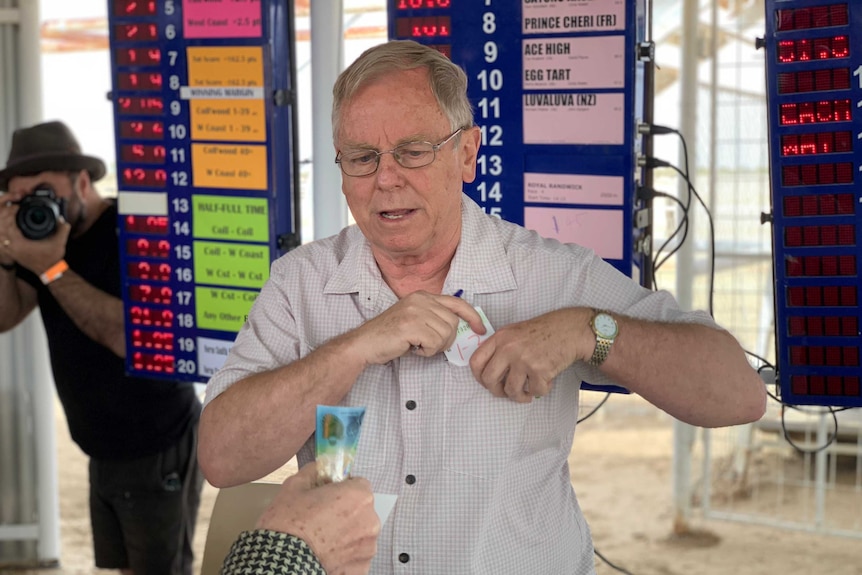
point(30, 336)
point(684, 435)
point(327, 60)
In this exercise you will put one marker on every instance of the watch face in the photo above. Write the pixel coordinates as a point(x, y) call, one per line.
point(606, 327)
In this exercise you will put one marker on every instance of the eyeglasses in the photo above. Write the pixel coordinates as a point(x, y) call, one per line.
point(358, 163)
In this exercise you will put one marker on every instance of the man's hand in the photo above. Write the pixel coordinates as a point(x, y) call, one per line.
point(336, 520)
point(521, 360)
point(423, 323)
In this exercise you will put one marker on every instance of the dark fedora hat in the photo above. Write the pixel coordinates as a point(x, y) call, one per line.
point(48, 147)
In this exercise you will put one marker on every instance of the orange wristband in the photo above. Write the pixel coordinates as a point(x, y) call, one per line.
point(54, 272)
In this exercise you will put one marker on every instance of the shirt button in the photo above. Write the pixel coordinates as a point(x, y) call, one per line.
point(404, 557)
point(410, 479)
point(411, 405)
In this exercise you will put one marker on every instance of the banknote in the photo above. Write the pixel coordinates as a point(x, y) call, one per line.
point(336, 439)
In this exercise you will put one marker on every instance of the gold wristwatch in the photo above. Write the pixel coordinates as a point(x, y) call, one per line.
point(606, 329)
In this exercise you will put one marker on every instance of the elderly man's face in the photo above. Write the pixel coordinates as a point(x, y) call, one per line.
point(404, 212)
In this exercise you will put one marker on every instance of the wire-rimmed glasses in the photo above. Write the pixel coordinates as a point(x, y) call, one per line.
point(364, 162)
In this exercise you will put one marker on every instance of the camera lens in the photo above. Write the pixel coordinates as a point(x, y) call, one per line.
point(37, 218)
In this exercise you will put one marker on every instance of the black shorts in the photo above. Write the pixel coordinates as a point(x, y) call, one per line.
point(144, 510)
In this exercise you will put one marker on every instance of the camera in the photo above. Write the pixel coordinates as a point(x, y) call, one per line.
point(39, 213)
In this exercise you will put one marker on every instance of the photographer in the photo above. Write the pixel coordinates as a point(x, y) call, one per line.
point(59, 250)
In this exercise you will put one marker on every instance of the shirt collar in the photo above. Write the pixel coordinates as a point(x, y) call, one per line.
point(480, 264)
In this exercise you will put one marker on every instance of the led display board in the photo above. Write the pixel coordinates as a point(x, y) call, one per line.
point(206, 168)
point(558, 91)
point(814, 95)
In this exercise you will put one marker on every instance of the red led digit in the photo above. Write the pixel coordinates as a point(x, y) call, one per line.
point(149, 271)
point(145, 293)
point(157, 340)
point(142, 130)
point(156, 363)
point(142, 154)
point(840, 47)
point(807, 49)
point(134, 7)
point(135, 81)
point(140, 106)
point(416, 4)
point(816, 143)
point(139, 57)
point(144, 177)
point(136, 32)
point(145, 248)
point(157, 225)
point(424, 27)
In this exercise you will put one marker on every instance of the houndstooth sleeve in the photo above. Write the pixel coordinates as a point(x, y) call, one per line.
point(270, 553)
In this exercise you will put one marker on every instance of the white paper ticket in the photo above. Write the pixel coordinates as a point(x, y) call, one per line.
point(467, 341)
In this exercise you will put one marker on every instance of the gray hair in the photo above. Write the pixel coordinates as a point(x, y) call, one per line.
point(448, 81)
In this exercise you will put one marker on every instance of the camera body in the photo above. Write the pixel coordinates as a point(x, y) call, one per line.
point(39, 213)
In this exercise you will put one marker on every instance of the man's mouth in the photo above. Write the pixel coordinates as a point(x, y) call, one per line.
point(395, 214)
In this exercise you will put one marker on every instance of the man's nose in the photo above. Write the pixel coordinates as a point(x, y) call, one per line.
point(388, 167)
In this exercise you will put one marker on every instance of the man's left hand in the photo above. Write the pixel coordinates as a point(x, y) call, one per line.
point(521, 360)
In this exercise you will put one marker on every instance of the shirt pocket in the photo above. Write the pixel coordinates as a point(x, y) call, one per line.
point(483, 432)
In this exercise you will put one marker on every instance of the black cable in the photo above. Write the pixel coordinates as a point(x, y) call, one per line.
point(650, 194)
point(654, 129)
point(595, 409)
point(786, 406)
point(657, 260)
point(603, 558)
point(656, 163)
point(686, 208)
point(793, 444)
point(764, 361)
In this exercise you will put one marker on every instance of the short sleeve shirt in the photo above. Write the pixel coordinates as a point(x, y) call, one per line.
point(482, 482)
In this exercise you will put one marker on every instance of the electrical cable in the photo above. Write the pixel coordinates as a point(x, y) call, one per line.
point(653, 129)
point(650, 194)
point(596, 408)
point(788, 406)
point(657, 163)
point(605, 559)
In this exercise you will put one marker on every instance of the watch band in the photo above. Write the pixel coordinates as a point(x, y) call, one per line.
point(603, 348)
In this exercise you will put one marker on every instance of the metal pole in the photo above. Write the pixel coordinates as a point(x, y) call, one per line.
point(684, 435)
point(26, 345)
point(33, 335)
point(327, 61)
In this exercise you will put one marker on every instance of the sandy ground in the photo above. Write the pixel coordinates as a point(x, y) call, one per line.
point(621, 469)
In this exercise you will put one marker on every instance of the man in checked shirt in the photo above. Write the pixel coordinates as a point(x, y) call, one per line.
point(477, 454)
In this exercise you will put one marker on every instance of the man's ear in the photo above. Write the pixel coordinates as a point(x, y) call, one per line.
point(470, 141)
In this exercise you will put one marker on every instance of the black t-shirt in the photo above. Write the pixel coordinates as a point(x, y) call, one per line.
point(110, 415)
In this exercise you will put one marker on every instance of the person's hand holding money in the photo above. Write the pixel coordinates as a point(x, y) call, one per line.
point(336, 520)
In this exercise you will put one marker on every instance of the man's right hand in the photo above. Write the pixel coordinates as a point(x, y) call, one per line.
point(423, 323)
point(35, 255)
point(336, 520)
point(7, 224)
